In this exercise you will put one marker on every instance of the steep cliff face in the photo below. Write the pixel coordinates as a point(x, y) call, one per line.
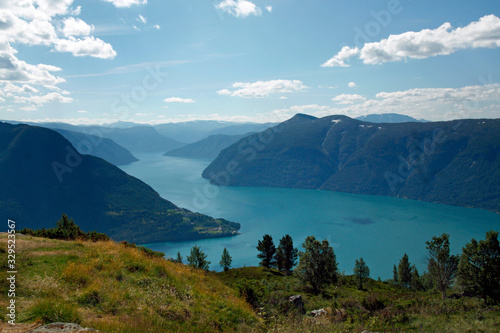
point(455, 162)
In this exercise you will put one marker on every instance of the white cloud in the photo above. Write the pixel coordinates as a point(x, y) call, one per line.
point(50, 97)
point(239, 8)
point(89, 46)
point(178, 100)
point(283, 97)
point(436, 104)
point(12, 88)
point(82, 111)
point(269, 8)
point(339, 59)
point(348, 99)
point(156, 26)
point(76, 27)
point(28, 108)
point(135, 27)
point(127, 3)
point(142, 19)
point(224, 92)
point(352, 85)
point(77, 11)
point(14, 70)
point(261, 89)
point(426, 43)
point(41, 22)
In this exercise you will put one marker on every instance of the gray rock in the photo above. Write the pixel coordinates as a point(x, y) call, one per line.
point(298, 302)
point(61, 328)
point(318, 313)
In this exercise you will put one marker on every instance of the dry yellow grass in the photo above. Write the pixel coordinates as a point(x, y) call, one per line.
point(115, 288)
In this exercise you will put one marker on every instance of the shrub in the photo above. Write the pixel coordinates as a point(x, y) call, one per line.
point(372, 303)
point(66, 229)
point(76, 273)
point(50, 311)
point(92, 298)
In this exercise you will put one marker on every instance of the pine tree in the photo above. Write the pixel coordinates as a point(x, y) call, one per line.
point(416, 283)
point(226, 260)
point(479, 267)
point(442, 266)
point(361, 271)
point(197, 259)
point(179, 258)
point(395, 274)
point(317, 264)
point(267, 250)
point(286, 255)
point(404, 271)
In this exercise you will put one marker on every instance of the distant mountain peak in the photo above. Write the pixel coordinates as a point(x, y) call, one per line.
point(302, 117)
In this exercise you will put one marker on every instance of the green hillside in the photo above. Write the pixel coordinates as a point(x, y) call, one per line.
point(116, 288)
point(120, 288)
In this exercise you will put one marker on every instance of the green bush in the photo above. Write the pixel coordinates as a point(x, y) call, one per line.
point(92, 298)
point(66, 229)
point(51, 311)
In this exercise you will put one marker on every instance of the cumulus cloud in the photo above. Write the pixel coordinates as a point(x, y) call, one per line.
point(269, 8)
point(127, 3)
point(239, 8)
point(89, 46)
point(12, 88)
point(25, 23)
point(178, 100)
point(348, 99)
point(426, 43)
point(14, 70)
point(42, 22)
point(436, 104)
point(339, 59)
point(76, 27)
point(43, 99)
point(352, 85)
point(261, 89)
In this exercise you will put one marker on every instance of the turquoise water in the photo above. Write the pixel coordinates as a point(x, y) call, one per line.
point(379, 229)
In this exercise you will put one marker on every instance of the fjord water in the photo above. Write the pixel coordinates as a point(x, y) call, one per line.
point(379, 229)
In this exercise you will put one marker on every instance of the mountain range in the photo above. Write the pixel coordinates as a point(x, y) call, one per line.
point(43, 176)
point(455, 162)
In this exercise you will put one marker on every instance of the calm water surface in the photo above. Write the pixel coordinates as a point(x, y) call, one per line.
point(379, 229)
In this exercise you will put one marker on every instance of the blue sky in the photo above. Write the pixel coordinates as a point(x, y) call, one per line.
point(152, 61)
